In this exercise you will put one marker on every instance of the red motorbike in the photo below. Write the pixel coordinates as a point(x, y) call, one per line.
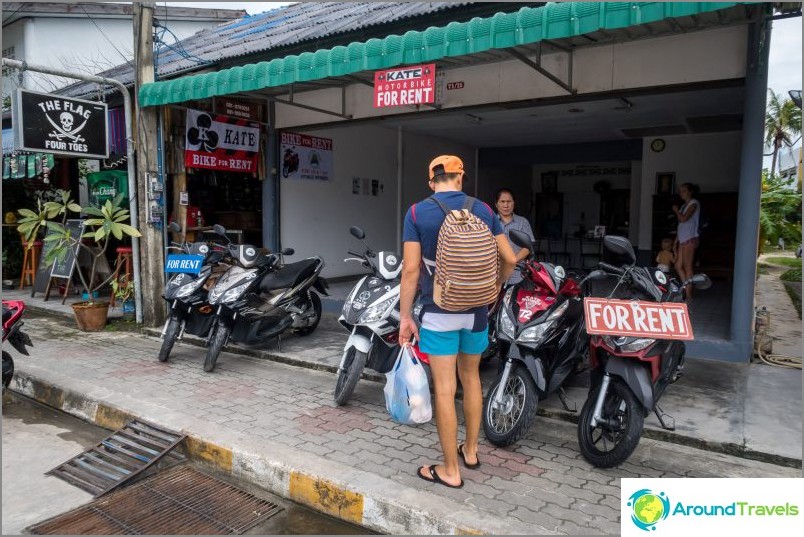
point(12, 332)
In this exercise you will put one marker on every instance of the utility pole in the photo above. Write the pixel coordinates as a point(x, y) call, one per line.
point(151, 244)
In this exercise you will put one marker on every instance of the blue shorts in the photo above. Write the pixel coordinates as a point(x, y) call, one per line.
point(447, 334)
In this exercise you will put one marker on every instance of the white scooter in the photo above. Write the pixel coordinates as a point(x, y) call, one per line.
point(371, 314)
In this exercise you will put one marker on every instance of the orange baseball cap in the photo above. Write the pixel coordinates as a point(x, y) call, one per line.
point(445, 164)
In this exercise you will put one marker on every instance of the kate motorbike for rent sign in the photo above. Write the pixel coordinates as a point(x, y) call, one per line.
point(636, 318)
point(306, 157)
point(405, 86)
point(223, 143)
point(61, 125)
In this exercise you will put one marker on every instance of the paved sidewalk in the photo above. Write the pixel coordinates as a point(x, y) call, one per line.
point(275, 425)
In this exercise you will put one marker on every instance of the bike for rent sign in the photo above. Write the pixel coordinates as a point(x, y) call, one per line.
point(223, 143)
point(405, 86)
point(61, 125)
point(306, 157)
point(636, 318)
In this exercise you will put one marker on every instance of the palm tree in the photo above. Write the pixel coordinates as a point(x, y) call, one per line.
point(782, 124)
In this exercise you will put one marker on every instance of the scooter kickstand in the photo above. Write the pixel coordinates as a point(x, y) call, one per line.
point(562, 395)
point(660, 415)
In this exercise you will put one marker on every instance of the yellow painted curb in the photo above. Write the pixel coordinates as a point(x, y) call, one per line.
point(48, 394)
point(327, 497)
point(111, 418)
point(218, 456)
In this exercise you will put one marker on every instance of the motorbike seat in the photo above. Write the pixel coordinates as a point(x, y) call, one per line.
point(289, 275)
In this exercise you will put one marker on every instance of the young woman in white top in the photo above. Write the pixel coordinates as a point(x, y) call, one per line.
point(687, 235)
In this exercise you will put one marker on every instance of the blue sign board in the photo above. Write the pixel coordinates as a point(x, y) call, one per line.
point(187, 264)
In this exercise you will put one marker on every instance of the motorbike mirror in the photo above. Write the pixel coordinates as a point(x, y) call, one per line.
point(220, 230)
point(597, 274)
point(288, 251)
point(520, 239)
point(174, 227)
point(620, 246)
point(357, 232)
point(701, 281)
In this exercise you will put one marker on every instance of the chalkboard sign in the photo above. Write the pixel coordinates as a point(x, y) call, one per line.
point(65, 267)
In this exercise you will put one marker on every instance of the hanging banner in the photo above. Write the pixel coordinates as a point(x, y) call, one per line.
point(61, 125)
point(405, 86)
point(306, 157)
point(221, 143)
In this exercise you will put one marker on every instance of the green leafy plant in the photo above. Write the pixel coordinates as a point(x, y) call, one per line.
point(123, 289)
point(101, 224)
point(780, 211)
point(782, 124)
point(792, 275)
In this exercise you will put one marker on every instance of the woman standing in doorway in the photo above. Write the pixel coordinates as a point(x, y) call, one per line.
point(504, 203)
point(687, 236)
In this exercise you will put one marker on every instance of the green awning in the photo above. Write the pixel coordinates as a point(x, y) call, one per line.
point(503, 30)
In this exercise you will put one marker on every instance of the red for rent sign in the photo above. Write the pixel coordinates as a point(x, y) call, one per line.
point(635, 318)
point(405, 86)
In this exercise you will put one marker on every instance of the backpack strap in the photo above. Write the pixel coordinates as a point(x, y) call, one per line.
point(443, 207)
point(469, 203)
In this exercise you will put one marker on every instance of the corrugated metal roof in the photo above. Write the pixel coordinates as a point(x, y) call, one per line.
point(503, 30)
point(278, 28)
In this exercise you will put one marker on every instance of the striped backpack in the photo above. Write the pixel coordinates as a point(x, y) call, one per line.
point(466, 264)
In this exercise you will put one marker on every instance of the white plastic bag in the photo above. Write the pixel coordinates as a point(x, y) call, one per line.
point(407, 392)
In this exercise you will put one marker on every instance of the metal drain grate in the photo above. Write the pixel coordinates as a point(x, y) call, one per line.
point(178, 501)
point(121, 457)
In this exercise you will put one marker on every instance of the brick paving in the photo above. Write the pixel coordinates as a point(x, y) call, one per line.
point(542, 480)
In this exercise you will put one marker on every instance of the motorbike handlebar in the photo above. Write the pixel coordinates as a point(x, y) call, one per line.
point(611, 268)
point(362, 256)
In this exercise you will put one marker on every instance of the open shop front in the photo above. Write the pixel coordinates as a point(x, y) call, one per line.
point(593, 133)
point(216, 169)
point(67, 145)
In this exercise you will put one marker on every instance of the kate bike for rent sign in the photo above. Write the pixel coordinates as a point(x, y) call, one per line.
point(405, 86)
point(223, 143)
point(306, 157)
point(60, 125)
point(635, 318)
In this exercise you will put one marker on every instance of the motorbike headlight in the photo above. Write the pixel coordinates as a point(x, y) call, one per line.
point(506, 325)
point(637, 345)
point(534, 333)
point(190, 288)
point(233, 294)
point(609, 341)
point(377, 311)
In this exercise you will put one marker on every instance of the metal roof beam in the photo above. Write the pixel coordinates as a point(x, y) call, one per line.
point(312, 108)
point(537, 67)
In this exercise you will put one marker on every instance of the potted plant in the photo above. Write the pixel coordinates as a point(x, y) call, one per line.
point(123, 290)
point(102, 223)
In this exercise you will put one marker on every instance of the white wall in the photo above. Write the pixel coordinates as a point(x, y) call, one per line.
point(581, 202)
point(77, 44)
point(315, 216)
point(717, 54)
point(709, 160)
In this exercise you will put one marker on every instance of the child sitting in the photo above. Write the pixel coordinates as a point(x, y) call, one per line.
point(666, 257)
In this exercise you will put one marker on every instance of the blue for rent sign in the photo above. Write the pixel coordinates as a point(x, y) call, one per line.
point(188, 264)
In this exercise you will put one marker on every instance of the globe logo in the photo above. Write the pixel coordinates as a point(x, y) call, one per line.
point(648, 508)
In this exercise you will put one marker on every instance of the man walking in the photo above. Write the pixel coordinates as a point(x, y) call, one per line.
point(451, 338)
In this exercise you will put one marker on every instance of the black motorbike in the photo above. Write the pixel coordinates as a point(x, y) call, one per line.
point(540, 324)
point(628, 374)
point(186, 295)
point(259, 298)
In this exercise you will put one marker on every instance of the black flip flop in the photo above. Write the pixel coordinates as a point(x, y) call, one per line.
point(436, 478)
point(463, 458)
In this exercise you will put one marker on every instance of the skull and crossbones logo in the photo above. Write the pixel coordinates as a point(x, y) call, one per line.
point(65, 127)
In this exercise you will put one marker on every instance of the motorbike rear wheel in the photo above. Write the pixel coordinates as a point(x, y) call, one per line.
point(216, 343)
point(8, 369)
point(171, 334)
point(611, 443)
point(349, 376)
point(315, 300)
point(504, 426)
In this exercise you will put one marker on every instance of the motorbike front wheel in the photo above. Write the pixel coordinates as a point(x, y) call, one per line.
point(169, 340)
point(315, 301)
point(8, 369)
point(349, 375)
point(216, 343)
point(613, 441)
point(506, 423)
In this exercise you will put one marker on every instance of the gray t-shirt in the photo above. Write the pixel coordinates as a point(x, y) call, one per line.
point(519, 223)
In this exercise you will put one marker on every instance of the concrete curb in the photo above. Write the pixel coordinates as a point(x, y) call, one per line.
point(332, 488)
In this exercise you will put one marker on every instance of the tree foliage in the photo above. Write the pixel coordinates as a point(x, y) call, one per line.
point(782, 124)
point(780, 210)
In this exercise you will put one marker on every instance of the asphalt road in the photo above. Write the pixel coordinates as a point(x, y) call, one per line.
point(37, 438)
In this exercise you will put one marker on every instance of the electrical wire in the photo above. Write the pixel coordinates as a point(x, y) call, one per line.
point(125, 58)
